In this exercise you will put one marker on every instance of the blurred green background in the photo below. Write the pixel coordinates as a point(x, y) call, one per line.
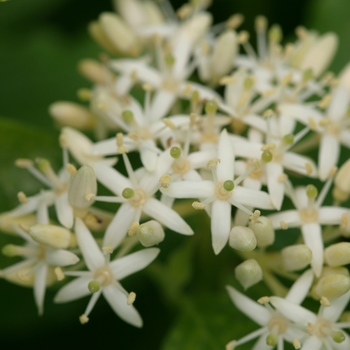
point(40, 44)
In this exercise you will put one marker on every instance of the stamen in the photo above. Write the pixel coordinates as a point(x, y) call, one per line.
point(165, 180)
point(282, 178)
point(231, 345)
point(283, 225)
point(326, 100)
point(263, 300)
point(255, 215)
point(59, 273)
point(256, 165)
point(131, 298)
point(312, 124)
point(133, 228)
point(296, 343)
point(226, 80)
point(120, 143)
point(308, 168)
point(169, 123)
point(260, 27)
point(235, 21)
point(71, 169)
point(324, 301)
point(107, 250)
point(83, 319)
point(45, 167)
point(22, 198)
point(28, 164)
point(198, 205)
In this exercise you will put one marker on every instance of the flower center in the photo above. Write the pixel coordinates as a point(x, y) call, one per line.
point(278, 324)
point(170, 84)
point(256, 174)
point(103, 275)
point(139, 198)
point(181, 166)
point(309, 215)
point(221, 193)
point(322, 328)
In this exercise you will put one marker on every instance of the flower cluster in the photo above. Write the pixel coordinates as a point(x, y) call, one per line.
point(213, 120)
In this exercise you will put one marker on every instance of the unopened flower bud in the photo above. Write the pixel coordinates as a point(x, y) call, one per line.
point(344, 225)
point(95, 71)
point(150, 233)
point(8, 222)
point(263, 230)
point(72, 114)
point(82, 188)
point(342, 182)
point(338, 254)
point(242, 238)
point(50, 235)
point(332, 286)
point(327, 271)
point(224, 52)
point(296, 257)
point(248, 273)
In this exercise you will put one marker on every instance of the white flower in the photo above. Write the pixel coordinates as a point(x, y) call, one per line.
point(222, 192)
point(103, 277)
point(324, 331)
point(275, 327)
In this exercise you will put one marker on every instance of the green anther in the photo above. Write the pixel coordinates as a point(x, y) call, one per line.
point(308, 74)
point(311, 191)
point(128, 193)
point(9, 250)
point(248, 83)
point(175, 152)
point(94, 286)
point(288, 139)
point(275, 34)
point(229, 185)
point(169, 60)
point(43, 164)
point(128, 116)
point(271, 340)
point(338, 337)
point(266, 156)
point(210, 107)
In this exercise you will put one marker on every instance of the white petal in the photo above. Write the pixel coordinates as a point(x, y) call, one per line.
point(290, 217)
point(328, 155)
point(220, 224)
point(205, 93)
point(344, 138)
point(286, 125)
point(333, 312)
point(149, 158)
point(339, 103)
point(162, 101)
point(111, 178)
point(261, 343)
point(91, 252)
point(275, 187)
point(225, 169)
point(247, 149)
point(312, 342)
point(300, 288)
point(132, 263)
point(118, 302)
point(200, 159)
point(256, 199)
point(330, 215)
point(74, 290)
point(313, 239)
point(296, 162)
point(119, 226)
point(300, 112)
point(253, 310)
point(40, 286)
point(190, 189)
point(166, 216)
point(64, 210)
point(60, 257)
point(293, 312)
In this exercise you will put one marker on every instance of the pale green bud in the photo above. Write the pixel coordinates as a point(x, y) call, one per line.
point(332, 286)
point(50, 235)
point(82, 188)
point(150, 233)
point(338, 254)
point(296, 257)
point(338, 337)
point(263, 230)
point(248, 273)
point(94, 287)
point(342, 178)
point(242, 238)
point(271, 340)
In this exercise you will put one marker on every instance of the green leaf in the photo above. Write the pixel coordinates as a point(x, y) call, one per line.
point(18, 140)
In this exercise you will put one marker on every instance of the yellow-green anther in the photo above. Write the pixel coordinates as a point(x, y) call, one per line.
point(175, 152)
point(9, 250)
point(308, 74)
point(288, 139)
point(128, 193)
point(210, 107)
point(271, 340)
point(195, 97)
point(128, 116)
point(266, 156)
point(311, 191)
point(338, 336)
point(43, 164)
point(275, 34)
point(248, 83)
point(169, 60)
point(229, 185)
point(94, 286)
